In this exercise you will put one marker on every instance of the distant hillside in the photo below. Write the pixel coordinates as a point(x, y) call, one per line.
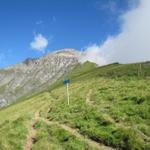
point(140, 70)
point(35, 74)
point(91, 70)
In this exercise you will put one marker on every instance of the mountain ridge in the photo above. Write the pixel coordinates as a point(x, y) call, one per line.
point(19, 79)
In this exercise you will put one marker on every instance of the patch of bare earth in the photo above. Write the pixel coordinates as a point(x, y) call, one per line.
point(88, 97)
point(78, 135)
point(31, 137)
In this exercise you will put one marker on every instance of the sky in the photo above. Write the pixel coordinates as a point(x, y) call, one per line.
point(32, 28)
point(131, 44)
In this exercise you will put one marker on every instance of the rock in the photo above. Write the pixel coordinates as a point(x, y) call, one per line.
point(35, 74)
point(3, 102)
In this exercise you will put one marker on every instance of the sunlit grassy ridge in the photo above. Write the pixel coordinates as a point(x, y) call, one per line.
point(109, 105)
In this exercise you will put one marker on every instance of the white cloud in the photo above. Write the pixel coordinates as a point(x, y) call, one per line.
point(39, 22)
point(39, 43)
point(131, 45)
point(110, 5)
point(53, 19)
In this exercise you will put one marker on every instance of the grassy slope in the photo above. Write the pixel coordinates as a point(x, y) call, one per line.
point(109, 105)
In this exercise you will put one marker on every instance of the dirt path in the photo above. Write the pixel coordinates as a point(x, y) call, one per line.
point(78, 135)
point(88, 97)
point(32, 133)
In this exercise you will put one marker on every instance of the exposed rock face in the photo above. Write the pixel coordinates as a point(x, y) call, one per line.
point(34, 74)
point(3, 102)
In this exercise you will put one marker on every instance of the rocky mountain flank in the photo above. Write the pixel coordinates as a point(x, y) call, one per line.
point(35, 74)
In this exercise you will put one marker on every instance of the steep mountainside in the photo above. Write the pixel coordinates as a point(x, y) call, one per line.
point(109, 109)
point(34, 74)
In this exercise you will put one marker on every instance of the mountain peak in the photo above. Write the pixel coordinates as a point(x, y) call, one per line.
point(29, 61)
point(67, 52)
point(35, 74)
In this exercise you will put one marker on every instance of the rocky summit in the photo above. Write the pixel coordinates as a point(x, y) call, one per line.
point(35, 74)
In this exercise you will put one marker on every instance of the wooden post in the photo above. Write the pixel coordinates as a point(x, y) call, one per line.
point(68, 93)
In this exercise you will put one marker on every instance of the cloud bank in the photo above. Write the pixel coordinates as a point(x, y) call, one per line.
point(39, 43)
point(131, 45)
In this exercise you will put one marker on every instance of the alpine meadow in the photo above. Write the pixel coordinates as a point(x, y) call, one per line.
point(93, 96)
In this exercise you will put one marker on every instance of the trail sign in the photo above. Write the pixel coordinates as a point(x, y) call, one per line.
point(66, 82)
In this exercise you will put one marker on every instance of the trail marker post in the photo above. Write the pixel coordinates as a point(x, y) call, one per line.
point(66, 82)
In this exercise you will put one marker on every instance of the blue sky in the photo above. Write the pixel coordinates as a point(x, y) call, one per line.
point(61, 23)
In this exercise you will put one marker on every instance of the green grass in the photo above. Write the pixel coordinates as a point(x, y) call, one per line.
point(15, 121)
point(118, 110)
point(53, 137)
point(116, 114)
